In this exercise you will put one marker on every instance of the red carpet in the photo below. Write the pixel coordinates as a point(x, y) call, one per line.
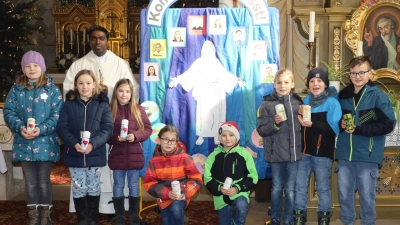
point(59, 172)
point(14, 212)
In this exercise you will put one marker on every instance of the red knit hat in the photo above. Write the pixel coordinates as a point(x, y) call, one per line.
point(232, 127)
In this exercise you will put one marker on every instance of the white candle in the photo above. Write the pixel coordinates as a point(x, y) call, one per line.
point(312, 25)
point(58, 36)
point(84, 35)
point(70, 35)
point(359, 48)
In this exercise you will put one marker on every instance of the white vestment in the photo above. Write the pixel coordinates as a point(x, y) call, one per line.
point(210, 82)
point(109, 71)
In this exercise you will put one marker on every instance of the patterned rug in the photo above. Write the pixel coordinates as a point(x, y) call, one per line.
point(14, 212)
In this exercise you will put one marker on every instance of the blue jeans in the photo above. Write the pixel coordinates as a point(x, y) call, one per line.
point(321, 166)
point(361, 176)
point(37, 182)
point(174, 213)
point(283, 177)
point(86, 181)
point(240, 206)
point(119, 182)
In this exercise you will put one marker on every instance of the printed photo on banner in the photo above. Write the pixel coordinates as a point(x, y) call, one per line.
point(267, 73)
point(151, 71)
point(196, 25)
point(217, 24)
point(239, 35)
point(157, 48)
point(177, 37)
point(257, 50)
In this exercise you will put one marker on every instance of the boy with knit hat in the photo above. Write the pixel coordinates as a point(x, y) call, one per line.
point(318, 146)
point(360, 150)
point(230, 160)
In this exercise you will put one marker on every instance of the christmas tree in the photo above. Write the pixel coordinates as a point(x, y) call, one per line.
point(14, 31)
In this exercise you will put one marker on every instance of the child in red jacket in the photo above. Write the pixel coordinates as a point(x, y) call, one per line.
point(170, 163)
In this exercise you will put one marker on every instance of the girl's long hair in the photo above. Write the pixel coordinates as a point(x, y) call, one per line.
point(96, 90)
point(24, 81)
point(132, 103)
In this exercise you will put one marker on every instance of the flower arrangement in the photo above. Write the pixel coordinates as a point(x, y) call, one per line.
point(66, 61)
point(336, 73)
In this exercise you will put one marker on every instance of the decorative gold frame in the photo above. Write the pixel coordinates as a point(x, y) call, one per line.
point(354, 29)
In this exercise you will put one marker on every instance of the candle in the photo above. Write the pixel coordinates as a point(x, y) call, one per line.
point(84, 35)
point(58, 36)
point(359, 48)
point(87, 37)
point(312, 25)
point(70, 35)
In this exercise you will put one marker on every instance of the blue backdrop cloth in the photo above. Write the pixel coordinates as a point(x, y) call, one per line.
point(178, 107)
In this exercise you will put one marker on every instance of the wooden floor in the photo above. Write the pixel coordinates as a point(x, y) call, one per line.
point(258, 212)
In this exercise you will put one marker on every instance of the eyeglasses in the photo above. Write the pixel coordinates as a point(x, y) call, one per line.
point(361, 73)
point(167, 141)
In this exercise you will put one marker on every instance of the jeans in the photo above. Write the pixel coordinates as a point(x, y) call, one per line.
point(37, 182)
point(240, 206)
point(174, 213)
point(283, 177)
point(361, 176)
point(321, 166)
point(86, 181)
point(119, 182)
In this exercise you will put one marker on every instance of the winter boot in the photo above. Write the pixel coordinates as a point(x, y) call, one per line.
point(81, 210)
point(93, 209)
point(298, 217)
point(119, 208)
point(134, 210)
point(33, 212)
point(324, 218)
point(45, 214)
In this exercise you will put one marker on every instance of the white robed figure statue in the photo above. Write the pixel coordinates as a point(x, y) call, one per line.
point(210, 82)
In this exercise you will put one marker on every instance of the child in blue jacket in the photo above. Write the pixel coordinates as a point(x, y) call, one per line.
point(318, 146)
point(86, 109)
point(35, 96)
point(360, 150)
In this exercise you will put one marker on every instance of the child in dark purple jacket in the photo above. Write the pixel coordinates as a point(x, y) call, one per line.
point(126, 154)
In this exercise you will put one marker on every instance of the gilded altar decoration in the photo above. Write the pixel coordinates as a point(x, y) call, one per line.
point(390, 175)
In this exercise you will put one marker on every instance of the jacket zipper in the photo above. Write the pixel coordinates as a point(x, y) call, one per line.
point(84, 129)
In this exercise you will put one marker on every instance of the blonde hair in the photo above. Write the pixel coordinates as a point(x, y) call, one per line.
point(283, 71)
point(24, 81)
point(96, 90)
point(135, 111)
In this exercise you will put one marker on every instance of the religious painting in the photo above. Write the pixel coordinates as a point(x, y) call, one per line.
point(376, 25)
point(381, 38)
